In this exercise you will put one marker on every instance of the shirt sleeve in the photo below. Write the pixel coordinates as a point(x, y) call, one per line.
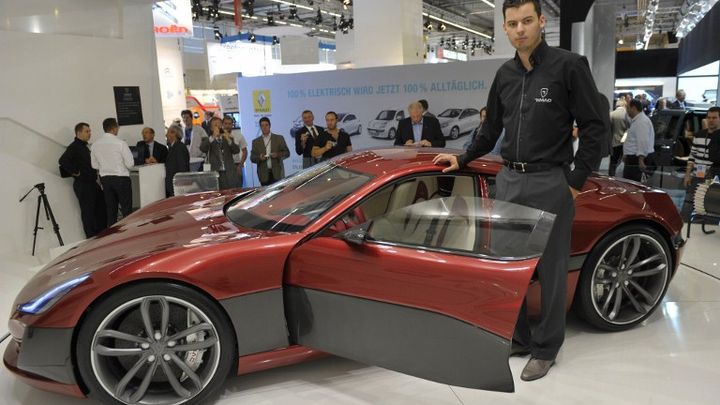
point(644, 138)
point(490, 130)
point(583, 106)
point(93, 159)
point(127, 156)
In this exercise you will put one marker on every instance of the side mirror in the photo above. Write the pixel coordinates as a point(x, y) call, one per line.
point(357, 235)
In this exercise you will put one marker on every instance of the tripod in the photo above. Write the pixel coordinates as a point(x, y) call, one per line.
point(43, 200)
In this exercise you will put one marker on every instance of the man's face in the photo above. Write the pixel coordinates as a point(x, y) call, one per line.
point(523, 27)
point(147, 135)
point(681, 96)
point(84, 134)
point(713, 121)
point(331, 121)
point(227, 124)
point(265, 127)
point(308, 119)
point(632, 112)
point(170, 137)
point(187, 120)
point(415, 113)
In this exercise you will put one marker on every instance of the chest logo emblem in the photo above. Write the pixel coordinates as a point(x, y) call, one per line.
point(543, 96)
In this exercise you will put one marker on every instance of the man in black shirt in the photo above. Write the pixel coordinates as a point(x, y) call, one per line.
point(333, 141)
point(75, 163)
point(535, 97)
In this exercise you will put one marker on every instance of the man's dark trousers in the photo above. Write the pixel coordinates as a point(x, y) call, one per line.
point(92, 206)
point(548, 191)
point(117, 189)
point(631, 170)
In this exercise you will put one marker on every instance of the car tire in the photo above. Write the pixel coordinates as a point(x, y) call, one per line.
point(391, 133)
point(454, 133)
point(624, 278)
point(169, 374)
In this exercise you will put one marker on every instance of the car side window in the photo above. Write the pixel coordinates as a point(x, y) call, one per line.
point(400, 115)
point(350, 117)
point(405, 193)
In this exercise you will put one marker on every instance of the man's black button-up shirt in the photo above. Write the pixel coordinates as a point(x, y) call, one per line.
point(537, 108)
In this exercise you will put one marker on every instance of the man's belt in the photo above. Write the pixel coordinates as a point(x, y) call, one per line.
point(524, 167)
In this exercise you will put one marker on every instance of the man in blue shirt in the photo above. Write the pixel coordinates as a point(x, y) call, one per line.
point(419, 130)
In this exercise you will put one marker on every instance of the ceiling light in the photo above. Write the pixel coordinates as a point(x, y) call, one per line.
point(216, 32)
point(470, 30)
point(275, 40)
point(428, 25)
point(695, 12)
point(318, 18)
point(270, 19)
point(252, 38)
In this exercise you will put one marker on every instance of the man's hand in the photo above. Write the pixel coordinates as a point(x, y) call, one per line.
point(273, 155)
point(303, 138)
point(263, 157)
point(409, 142)
point(447, 158)
point(425, 143)
point(76, 174)
point(642, 165)
point(328, 145)
point(687, 180)
point(574, 193)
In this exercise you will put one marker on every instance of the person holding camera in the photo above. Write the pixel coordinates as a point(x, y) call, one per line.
point(268, 152)
point(220, 147)
point(333, 141)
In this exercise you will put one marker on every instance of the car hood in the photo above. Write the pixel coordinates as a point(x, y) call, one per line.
point(186, 222)
point(445, 119)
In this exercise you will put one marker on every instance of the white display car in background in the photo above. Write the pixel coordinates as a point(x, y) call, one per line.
point(385, 124)
point(349, 123)
point(458, 121)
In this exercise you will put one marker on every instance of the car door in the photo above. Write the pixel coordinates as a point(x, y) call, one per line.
point(351, 124)
point(431, 289)
point(469, 120)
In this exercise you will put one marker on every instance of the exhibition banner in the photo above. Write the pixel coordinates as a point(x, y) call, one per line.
point(172, 19)
point(369, 102)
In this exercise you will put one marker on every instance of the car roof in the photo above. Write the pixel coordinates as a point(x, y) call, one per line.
point(385, 161)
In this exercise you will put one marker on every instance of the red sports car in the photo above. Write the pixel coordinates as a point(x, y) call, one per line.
point(376, 256)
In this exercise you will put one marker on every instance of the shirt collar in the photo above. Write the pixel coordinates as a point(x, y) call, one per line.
point(80, 140)
point(537, 56)
point(418, 122)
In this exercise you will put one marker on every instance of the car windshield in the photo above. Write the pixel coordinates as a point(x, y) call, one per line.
point(450, 113)
point(386, 115)
point(294, 202)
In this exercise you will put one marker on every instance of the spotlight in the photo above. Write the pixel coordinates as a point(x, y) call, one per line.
point(293, 13)
point(270, 19)
point(346, 4)
point(351, 23)
point(472, 52)
point(249, 6)
point(335, 24)
point(318, 18)
point(428, 26)
point(275, 40)
point(218, 35)
point(441, 26)
point(252, 38)
point(442, 42)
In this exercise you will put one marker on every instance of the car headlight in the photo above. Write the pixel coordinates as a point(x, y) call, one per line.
point(445, 124)
point(47, 299)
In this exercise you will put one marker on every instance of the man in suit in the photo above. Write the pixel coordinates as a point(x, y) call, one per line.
point(192, 135)
point(306, 137)
point(75, 162)
point(178, 158)
point(426, 106)
point(148, 150)
point(268, 152)
point(679, 103)
point(419, 130)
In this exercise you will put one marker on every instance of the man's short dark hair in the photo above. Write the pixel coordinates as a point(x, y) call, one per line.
point(307, 112)
point(229, 117)
point(265, 119)
point(333, 113)
point(715, 110)
point(636, 104)
point(424, 103)
point(80, 126)
point(152, 131)
point(517, 3)
point(109, 124)
point(186, 112)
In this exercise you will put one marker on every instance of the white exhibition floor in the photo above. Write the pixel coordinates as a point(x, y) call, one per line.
point(673, 358)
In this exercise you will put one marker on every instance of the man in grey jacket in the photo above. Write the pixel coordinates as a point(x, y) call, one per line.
point(619, 124)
